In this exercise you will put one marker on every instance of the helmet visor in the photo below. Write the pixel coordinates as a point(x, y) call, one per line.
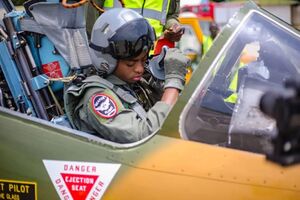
point(132, 39)
point(128, 49)
point(129, 41)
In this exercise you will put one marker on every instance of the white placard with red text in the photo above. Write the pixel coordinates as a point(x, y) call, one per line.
point(80, 180)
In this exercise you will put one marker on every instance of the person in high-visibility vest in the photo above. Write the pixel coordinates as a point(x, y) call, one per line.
point(161, 14)
point(249, 54)
point(208, 39)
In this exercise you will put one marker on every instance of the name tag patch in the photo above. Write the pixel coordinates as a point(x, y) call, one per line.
point(104, 106)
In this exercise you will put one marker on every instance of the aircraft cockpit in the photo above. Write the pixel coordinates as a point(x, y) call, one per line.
point(254, 53)
point(259, 55)
point(43, 159)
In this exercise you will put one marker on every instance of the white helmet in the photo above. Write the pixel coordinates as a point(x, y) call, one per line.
point(119, 33)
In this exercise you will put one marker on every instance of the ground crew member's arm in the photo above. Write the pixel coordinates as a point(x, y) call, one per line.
point(91, 15)
point(173, 30)
point(173, 14)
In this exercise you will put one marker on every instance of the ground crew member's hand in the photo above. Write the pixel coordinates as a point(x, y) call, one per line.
point(175, 64)
point(174, 33)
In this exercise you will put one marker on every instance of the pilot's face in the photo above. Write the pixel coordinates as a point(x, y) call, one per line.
point(131, 70)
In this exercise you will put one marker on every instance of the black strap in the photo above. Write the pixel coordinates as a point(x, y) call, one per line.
point(101, 49)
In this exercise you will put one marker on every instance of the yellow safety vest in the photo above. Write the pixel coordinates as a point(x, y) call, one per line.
point(155, 11)
point(233, 87)
point(207, 42)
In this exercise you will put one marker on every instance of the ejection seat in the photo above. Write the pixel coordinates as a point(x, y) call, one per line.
point(49, 42)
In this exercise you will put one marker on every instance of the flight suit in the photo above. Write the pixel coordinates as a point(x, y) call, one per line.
point(160, 19)
point(110, 109)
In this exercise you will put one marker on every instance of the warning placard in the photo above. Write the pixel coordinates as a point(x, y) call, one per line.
point(17, 190)
point(80, 180)
point(52, 70)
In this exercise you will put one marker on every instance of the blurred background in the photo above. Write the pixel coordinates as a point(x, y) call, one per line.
point(211, 14)
point(204, 19)
point(221, 10)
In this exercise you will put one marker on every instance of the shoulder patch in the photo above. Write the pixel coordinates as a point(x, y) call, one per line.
point(104, 106)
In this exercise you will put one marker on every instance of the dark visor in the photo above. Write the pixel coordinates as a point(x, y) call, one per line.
point(129, 41)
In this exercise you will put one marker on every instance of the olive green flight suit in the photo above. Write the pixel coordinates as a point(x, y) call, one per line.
point(112, 112)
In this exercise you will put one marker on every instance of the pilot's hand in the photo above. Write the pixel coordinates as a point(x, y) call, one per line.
point(175, 64)
point(174, 33)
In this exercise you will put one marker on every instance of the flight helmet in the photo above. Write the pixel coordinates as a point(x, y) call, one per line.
point(119, 33)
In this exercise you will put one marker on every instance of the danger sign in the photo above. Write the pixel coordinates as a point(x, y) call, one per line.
point(80, 180)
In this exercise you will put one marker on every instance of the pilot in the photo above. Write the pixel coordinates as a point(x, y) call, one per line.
point(110, 107)
point(249, 54)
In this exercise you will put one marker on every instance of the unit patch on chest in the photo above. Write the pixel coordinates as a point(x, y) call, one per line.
point(104, 106)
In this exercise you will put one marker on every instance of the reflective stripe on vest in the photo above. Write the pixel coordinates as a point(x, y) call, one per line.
point(207, 42)
point(155, 11)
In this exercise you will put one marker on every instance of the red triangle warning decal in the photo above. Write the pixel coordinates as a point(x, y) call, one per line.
point(79, 185)
point(80, 180)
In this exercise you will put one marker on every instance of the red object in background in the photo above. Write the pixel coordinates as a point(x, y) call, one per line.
point(202, 10)
point(160, 43)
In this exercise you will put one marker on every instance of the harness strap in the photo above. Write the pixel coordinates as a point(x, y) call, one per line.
point(30, 25)
point(152, 14)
